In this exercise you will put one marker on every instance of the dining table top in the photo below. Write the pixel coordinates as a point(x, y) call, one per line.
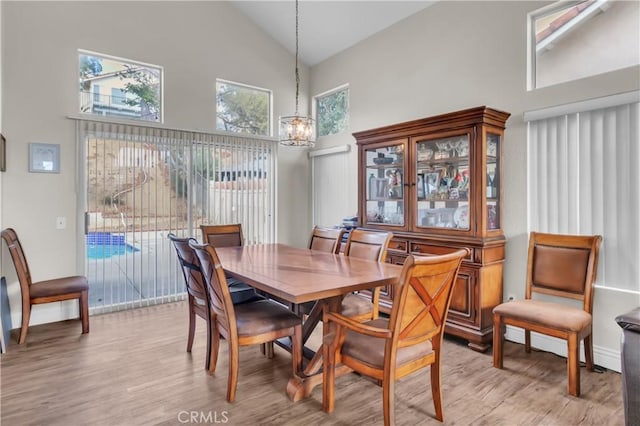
point(300, 275)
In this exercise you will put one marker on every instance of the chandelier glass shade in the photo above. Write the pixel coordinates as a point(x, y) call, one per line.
point(297, 130)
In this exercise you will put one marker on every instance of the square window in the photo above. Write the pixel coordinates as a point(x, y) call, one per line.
point(243, 109)
point(119, 87)
point(332, 111)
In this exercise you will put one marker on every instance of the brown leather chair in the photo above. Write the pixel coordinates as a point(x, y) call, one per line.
point(54, 290)
point(388, 349)
point(246, 324)
point(365, 245)
point(564, 266)
point(326, 239)
point(198, 304)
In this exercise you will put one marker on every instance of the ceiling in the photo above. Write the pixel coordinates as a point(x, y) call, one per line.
point(326, 27)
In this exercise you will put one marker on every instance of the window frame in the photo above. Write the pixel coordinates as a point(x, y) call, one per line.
point(314, 107)
point(248, 86)
point(532, 17)
point(160, 68)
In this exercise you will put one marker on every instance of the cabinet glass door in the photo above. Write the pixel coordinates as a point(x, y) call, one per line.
point(443, 181)
point(493, 181)
point(384, 174)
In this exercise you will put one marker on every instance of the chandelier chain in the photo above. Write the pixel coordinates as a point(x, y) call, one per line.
point(297, 72)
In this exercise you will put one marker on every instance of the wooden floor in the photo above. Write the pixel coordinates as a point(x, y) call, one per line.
point(132, 369)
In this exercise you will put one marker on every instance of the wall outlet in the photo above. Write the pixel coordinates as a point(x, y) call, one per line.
point(511, 298)
point(61, 222)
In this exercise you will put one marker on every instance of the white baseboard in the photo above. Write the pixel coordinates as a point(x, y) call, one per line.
point(603, 357)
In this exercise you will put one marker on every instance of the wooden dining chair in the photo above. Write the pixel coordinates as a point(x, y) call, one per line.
point(365, 245)
point(196, 292)
point(326, 239)
point(230, 236)
point(411, 339)
point(53, 290)
point(246, 324)
point(223, 235)
point(564, 266)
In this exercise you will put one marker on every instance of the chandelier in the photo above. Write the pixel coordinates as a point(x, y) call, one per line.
point(297, 130)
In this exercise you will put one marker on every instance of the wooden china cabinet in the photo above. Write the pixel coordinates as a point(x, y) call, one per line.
point(436, 184)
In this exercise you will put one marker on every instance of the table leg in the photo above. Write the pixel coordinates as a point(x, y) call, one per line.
point(301, 386)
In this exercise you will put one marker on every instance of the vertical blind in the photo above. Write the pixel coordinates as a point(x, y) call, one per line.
point(138, 183)
point(584, 179)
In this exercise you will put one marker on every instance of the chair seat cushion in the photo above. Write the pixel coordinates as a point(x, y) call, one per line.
point(263, 316)
point(353, 305)
point(371, 349)
point(547, 314)
point(58, 286)
point(242, 293)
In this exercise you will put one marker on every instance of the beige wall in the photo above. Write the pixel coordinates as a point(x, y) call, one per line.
point(456, 55)
point(195, 42)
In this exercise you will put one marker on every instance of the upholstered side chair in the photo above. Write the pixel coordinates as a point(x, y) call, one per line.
point(53, 290)
point(563, 266)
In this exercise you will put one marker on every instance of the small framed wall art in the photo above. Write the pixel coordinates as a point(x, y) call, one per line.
point(44, 158)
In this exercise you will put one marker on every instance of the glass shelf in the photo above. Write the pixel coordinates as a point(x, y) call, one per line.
point(385, 185)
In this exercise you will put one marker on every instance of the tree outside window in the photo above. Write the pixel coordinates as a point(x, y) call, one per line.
point(243, 109)
point(332, 112)
point(119, 87)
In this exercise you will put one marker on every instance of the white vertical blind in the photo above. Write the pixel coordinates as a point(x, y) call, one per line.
point(140, 182)
point(584, 179)
point(329, 179)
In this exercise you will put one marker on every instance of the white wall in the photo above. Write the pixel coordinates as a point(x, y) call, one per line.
point(196, 42)
point(457, 55)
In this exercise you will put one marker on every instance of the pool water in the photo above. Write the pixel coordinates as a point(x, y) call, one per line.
point(102, 251)
point(103, 245)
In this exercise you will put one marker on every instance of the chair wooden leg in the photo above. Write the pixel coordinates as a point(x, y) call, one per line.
point(328, 378)
point(263, 348)
point(232, 382)
point(573, 365)
point(527, 341)
point(388, 399)
point(588, 352)
point(84, 311)
point(207, 362)
point(435, 387)
point(192, 324)
point(215, 346)
point(296, 349)
point(498, 341)
point(269, 350)
point(26, 315)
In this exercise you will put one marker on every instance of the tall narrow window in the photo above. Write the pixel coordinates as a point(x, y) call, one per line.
point(131, 89)
point(332, 111)
point(243, 109)
point(573, 40)
point(584, 179)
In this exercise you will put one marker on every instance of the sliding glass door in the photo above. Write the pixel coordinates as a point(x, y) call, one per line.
point(143, 182)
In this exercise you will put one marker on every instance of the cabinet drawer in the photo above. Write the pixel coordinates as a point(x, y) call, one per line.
point(398, 245)
point(421, 248)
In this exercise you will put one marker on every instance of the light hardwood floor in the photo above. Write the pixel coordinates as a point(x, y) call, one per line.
point(132, 369)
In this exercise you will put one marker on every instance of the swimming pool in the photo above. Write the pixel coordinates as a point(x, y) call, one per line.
point(103, 245)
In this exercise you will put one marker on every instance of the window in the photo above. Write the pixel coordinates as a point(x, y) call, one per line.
point(573, 40)
point(332, 111)
point(243, 109)
point(584, 179)
point(129, 89)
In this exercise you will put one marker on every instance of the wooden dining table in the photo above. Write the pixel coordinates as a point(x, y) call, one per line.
point(298, 275)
